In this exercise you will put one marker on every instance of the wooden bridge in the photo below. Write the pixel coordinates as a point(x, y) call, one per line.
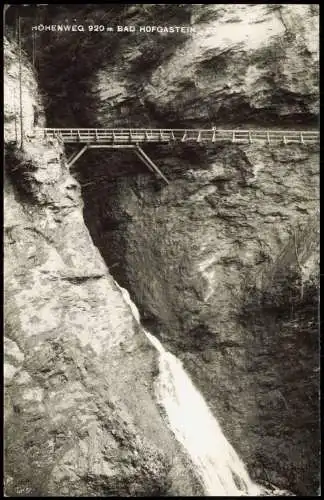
point(135, 136)
point(128, 138)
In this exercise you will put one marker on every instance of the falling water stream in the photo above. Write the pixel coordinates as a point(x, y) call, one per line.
point(221, 470)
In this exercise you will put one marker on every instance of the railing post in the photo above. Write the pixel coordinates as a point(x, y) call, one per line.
point(214, 136)
point(96, 132)
point(79, 136)
point(184, 136)
point(302, 138)
point(233, 136)
point(199, 136)
point(250, 138)
point(284, 139)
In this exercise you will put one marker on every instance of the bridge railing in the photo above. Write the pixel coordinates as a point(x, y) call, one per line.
point(133, 136)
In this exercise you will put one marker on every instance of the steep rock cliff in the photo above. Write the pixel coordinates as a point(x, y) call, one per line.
point(196, 255)
point(192, 255)
point(80, 416)
point(251, 63)
point(256, 63)
point(188, 251)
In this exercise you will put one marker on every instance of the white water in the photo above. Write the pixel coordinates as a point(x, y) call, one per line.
point(219, 467)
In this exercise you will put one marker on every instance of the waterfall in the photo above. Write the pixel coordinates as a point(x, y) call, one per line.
point(217, 463)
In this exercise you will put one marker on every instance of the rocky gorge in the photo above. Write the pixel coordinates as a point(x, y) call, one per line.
point(222, 263)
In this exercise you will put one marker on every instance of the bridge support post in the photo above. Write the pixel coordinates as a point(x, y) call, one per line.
point(302, 138)
point(76, 156)
point(149, 163)
point(138, 150)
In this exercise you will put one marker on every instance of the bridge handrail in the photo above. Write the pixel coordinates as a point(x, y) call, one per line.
point(131, 135)
point(157, 130)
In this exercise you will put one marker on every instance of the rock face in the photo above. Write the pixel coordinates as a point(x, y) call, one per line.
point(79, 406)
point(257, 63)
point(193, 254)
point(190, 255)
point(250, 64)
point(222, 263)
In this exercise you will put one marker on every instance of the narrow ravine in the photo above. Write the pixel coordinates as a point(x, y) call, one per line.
point(213, 388)
point(221, 470)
